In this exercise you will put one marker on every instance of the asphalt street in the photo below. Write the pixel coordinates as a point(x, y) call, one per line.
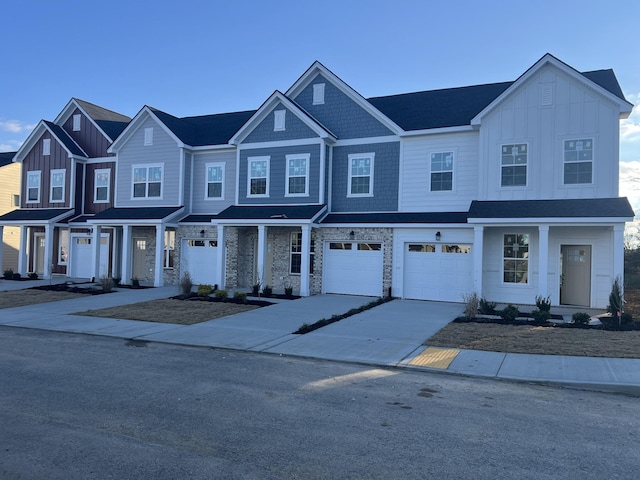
point(84, 407)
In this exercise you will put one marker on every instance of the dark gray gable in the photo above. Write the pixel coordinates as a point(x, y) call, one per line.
point(112, 123)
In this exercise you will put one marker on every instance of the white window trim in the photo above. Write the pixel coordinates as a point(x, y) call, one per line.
point(258, 159)
point(292, 253)
point(564, 160)
point(371, 156)
point(46, 146)
point(148, 136)
point(526, 184)
point(51, 186)
point(147, 166)
point(95, 185)
point(318, 93)
point(279, 122)
point(528, 259)
point(453, 152)
point(206, 181)
point(307, 158)
point(39, 175)
point(76, 122)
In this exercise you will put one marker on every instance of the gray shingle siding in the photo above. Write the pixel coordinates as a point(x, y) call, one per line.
point(295, 129)
point(385, 178)
point(277, 175)
point(340, 114)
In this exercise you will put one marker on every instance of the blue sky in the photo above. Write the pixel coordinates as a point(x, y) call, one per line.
point(199, 57)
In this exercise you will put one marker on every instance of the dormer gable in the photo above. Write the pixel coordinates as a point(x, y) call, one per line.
point(52, 131)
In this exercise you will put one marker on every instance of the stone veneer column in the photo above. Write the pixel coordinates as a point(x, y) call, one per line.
point(220, 275)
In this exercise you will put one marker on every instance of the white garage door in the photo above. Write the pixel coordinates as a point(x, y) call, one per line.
point(437, 271)
point(199, 258)
point(82, 254)
point(353, 268)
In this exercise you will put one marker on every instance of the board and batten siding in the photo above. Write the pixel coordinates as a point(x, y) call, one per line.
point(575, 112)
point(201, 204)
point(89, 205)
point(416, 195)
point(90, 139)
point(164, 150)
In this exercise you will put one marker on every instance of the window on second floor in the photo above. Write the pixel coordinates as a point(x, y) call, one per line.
point(147, 181)
point(214, 187)
point(514, 165)
point(441, 171)
point(578, 161)
point(33, 186)
point(297, 175)
point(258, 177)
point(360, 182)
point(102, 185)
point(56, 193)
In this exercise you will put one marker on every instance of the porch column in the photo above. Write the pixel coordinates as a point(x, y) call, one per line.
point(1, 245)
point(48, 250)
point(262, 254)
point(95, 252)
point(478, 249)
point(543, 261)
point(126, 254)
point(158, 280)
point(618, 253)
point(304, 262)
point(22, 253)
point(221, 257)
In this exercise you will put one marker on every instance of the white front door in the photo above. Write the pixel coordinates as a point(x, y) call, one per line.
point(353, 268)
point(40, 244)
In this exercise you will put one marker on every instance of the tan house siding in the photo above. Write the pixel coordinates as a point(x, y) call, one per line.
point(9, 186)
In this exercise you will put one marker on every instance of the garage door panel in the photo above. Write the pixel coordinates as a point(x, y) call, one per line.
point(353, 268)
point(82, 257)
point(200, 259)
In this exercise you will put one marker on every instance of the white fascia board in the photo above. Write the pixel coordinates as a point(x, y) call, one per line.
point(89, 161)
point(134, 125)
point(318, 68)
point(435, 131)
point(548, 59)
point(488, 222)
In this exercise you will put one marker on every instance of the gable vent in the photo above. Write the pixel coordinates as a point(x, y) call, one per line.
point(547, 95)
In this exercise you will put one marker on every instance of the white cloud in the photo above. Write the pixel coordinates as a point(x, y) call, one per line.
point(16, 126)
point(630, 132)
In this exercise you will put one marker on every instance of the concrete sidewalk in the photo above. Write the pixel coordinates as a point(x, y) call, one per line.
point(389, 335)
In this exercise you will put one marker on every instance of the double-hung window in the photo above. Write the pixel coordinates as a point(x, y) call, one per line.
point(101, 185)
point(214, 188)
point(147, 181)
point(578, 161)
point(297, 175)
point(57, 186)
point(258, 177)
point(441, 171)
point(296, 254)
point(360, 175)
point(33, 186)
point(516, 258)
point(514, 165)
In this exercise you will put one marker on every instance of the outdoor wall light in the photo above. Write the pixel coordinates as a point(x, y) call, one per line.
point(202, 233)
point(352, 234)
point(438, 236)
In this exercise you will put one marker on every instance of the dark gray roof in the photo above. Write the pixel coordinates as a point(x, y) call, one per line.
point(33, 214)
point(206, 129)
point(66, 140)
point(112, 123)
point(136, 213)
point(197, 218)
point(6, 158)
point(396, 217)
point(271, 212)
point(453, 107)
point(563, 208)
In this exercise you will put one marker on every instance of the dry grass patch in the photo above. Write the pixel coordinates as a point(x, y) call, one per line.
point(538, 340)
point(181, 312)
point(20, 298)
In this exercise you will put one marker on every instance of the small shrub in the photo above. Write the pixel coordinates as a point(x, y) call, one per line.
point(580, 318)
point(8, 274)
point(267, 291)
point(116, 281)
point(33, 276)
point(487, 308)
point(106, 283)
point(204, 290)
point(509, 313)
point(16, 276)
point(471, 304)
point(540, 316)
point(240, 296)
point(221, 294)
point(186, 284)
point(135, 283)
point(288, 291)
point(255, 289)
point(543, 304)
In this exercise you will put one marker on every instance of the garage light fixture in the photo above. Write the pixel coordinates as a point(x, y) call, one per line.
point(202, 233)
point(352, 234)
point(438, 236)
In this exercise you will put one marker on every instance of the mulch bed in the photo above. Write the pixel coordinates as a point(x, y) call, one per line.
point(65, 287)
point(194, 297)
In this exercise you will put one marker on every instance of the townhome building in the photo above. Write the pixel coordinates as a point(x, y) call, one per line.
point(509, 190)
point(9, 200)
